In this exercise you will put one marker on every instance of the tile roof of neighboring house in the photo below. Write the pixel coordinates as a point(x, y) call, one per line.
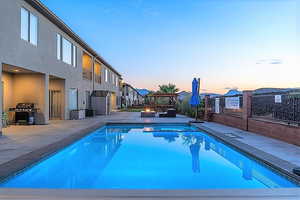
point(143, 92)
point(38, 5)
point(233, 92)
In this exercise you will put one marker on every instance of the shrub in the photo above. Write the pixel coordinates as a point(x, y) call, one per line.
point(185, 108)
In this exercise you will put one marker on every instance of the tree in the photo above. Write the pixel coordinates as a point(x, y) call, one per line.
point(168, 89)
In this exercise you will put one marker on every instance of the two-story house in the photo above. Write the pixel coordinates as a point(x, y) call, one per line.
point(42, 61)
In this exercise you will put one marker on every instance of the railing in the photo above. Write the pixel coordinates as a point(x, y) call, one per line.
point(97, 79)
point(279, 107)
point(86, 74)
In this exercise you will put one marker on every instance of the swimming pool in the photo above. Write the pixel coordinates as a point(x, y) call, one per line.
point(154, 156)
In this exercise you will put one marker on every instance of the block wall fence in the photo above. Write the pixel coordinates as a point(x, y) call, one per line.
point(273, 129)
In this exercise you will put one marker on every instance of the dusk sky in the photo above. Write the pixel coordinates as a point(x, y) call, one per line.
point(244, 44)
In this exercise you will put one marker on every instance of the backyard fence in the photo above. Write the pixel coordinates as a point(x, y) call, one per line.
point(279, 107)
point(231, 105)
point(275, 115)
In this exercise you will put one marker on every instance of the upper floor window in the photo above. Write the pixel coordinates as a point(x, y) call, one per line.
point(106, 75)
point(66, 51)
point(87, 66)
point(97, 72)
point(29, 23)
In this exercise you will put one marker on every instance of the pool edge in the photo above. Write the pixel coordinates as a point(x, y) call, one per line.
point(280, 166)
point(280, 193)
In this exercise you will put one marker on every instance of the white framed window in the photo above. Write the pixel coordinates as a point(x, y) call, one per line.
point(24, 24)
point(33, 29)
point(29, 27)
point(58, 44)
point(106, 75)
point(117, 81)
point(74, 55)
point(67, 51)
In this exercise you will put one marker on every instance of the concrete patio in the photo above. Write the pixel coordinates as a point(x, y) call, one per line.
point(24, 145)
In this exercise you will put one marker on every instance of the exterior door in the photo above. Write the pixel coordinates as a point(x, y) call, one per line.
point(55, 104)
point(87, 100)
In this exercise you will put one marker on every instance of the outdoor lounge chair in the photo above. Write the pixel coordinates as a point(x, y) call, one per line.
point(169, 113)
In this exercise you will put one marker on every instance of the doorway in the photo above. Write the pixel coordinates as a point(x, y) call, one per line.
point(55, 104)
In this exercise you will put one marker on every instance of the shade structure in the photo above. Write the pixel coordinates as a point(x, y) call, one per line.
point(195, 99)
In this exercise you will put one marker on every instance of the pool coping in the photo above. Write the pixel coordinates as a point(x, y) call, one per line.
point(281, 166)
point(280, 193)
point(25, 161)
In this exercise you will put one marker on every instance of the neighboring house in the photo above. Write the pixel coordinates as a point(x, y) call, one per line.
point(183, 95)
point(233, 92)
point(143, 92)
point(211, 95)
point(131, 96)
point(44, 62)
point(275, 90)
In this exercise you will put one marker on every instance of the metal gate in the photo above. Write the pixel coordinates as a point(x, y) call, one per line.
point(55, 104)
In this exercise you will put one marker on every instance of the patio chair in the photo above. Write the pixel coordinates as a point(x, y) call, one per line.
point(169, 113)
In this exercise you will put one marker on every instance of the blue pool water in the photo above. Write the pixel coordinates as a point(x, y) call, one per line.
point(148, 157)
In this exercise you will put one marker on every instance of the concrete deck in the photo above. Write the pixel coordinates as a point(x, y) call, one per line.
point(24, 145)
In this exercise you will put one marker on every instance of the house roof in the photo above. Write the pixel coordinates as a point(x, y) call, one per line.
point(128, 85)
point(39, 6)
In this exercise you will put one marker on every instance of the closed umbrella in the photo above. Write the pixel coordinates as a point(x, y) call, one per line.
point(195, 99)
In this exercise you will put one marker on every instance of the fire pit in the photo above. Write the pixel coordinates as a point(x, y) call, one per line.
point(148, 113)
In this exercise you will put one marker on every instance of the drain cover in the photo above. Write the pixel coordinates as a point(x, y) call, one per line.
point(231, 135)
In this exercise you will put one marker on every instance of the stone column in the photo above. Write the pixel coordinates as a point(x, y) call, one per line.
point(46, 98)
point(246, 112)
point(206, 108)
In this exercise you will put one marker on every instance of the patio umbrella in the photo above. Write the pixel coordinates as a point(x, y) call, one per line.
point(195, 99)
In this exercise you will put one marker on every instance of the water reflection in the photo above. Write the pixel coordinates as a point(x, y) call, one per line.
point(125, 157)
point(168, 136)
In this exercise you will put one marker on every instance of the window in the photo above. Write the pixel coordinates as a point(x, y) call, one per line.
point(58, 43)
point(74, 56)
point(73, 99)
point(33, 29)
point(97, 72)
point(29, 23)
point(24, 24)
point(106, 75)
point(66, 51)
point(87, 66)
point(117, 81)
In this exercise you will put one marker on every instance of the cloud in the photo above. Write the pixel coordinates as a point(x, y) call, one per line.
point(269, 61)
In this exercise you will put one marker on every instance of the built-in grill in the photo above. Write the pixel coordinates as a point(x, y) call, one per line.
point(25, 113)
